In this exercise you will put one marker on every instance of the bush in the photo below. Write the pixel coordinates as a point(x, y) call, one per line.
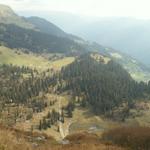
point(136, 138)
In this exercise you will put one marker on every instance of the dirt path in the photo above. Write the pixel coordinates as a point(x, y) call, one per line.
point(63, 128)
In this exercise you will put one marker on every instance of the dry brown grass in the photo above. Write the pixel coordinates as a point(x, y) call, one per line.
point(11, 139)
point(86, 146)
point(10, 142)
point(87, 141)
point(83, 137)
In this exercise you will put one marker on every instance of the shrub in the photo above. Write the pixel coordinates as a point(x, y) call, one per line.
point(136, 138)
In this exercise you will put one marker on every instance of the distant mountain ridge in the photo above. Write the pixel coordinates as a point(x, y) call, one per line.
point(14, 36)
point(35, 34)
point(129, 35)
point(39, 35)
point(46, 26)
point(8, 16)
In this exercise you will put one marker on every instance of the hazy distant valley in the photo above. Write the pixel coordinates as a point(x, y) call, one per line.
point(125, 34)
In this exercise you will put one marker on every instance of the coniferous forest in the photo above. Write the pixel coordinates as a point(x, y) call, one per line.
point(103, 86)
point(16, 88)
point(36, 41)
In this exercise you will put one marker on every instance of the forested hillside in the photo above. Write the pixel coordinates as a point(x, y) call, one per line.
point(16, 37)
point(20, 84)
point(103, 86)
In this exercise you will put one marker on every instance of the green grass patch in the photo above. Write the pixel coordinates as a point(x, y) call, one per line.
point(9, 56)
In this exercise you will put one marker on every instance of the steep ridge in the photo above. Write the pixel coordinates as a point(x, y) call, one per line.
point(46, 27)
point(8, 16)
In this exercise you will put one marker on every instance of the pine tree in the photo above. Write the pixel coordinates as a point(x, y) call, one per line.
point(40, 125)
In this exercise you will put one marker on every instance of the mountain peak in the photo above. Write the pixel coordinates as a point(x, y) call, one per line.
point(6, 11)
point(8, 16)
point(4, 7)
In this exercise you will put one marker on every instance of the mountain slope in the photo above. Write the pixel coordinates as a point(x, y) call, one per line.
point(138, 70)
point(49, 28)
point(38, 35)
point(7, 16)
point(102, 85)
point(34, 34)
point(18, 58)
point(46, 27)
point(41, 63)
point(17, 37)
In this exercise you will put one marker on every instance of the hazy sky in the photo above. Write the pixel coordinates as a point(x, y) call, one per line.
point(102, 8)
